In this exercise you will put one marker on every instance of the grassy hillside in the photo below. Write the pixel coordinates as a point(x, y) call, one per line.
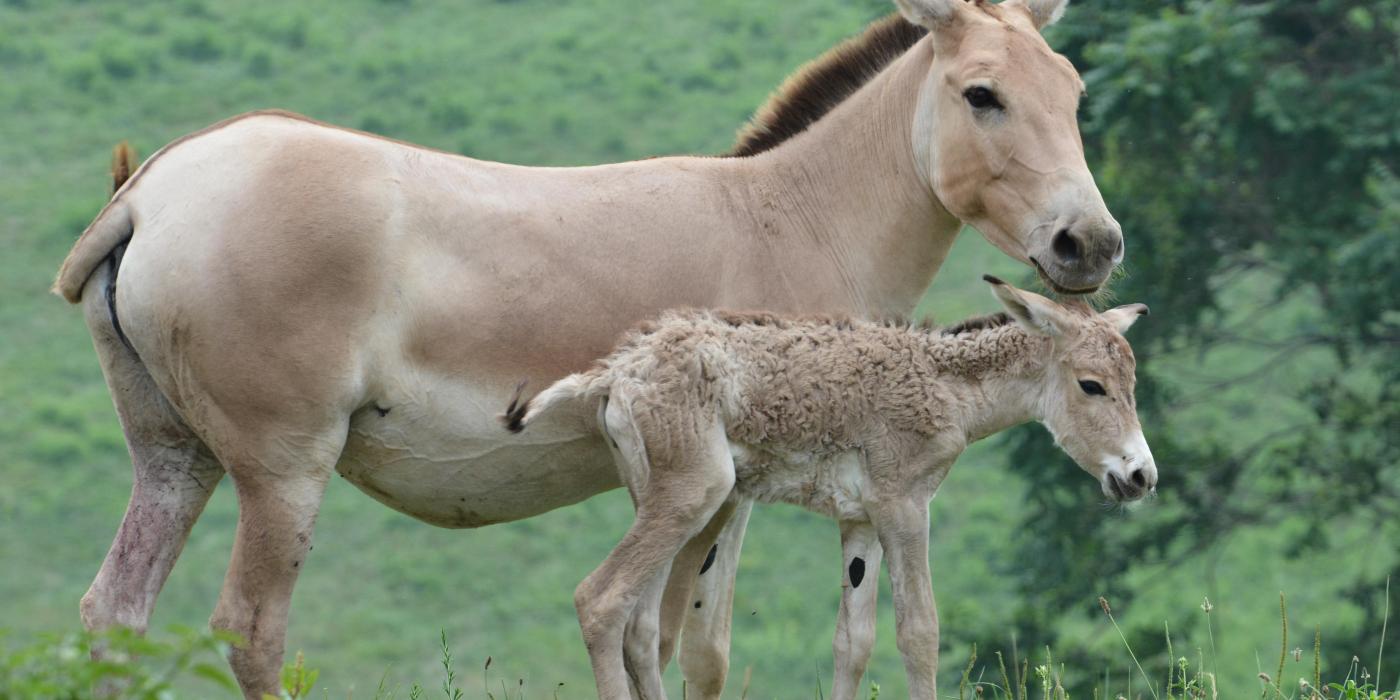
point(533, 82)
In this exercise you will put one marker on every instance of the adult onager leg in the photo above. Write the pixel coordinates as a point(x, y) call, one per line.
point(275, 519)
point(174, 475)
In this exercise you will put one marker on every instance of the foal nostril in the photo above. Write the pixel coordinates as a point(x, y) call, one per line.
point(1065, 246)
point(1118, 251)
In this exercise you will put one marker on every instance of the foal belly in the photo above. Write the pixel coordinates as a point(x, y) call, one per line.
point(831, 484)
point(461, 471)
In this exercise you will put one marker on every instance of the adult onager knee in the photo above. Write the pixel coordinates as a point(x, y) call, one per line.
point(854, 420)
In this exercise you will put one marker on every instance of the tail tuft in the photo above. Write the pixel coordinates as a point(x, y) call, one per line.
point(123, 165)
point(514, 417)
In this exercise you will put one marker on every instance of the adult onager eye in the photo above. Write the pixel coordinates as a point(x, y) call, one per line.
point(981, 98)
point(1092, 387)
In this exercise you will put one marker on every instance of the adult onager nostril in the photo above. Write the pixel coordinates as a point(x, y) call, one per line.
point(1065, 246)
point(1118, 252)
point(1139, 478)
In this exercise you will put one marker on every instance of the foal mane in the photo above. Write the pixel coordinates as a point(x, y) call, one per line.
point(817, 87)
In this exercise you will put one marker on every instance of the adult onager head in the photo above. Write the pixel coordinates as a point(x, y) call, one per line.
point(998, 137)
point(281, 300)
point(703, 407)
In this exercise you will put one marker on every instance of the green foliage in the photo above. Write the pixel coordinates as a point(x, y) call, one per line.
point(61, 667)
point(1245, 148)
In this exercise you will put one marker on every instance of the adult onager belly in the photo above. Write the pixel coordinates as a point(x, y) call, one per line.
point(421, 459)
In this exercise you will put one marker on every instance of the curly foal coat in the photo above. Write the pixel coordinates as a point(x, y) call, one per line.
point(855, 420)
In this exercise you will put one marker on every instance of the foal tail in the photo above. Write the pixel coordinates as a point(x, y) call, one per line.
point(575, 386)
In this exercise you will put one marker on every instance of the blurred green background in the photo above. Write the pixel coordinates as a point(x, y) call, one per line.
point(1251, 150)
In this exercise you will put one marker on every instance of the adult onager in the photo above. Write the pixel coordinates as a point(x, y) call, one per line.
point(281, 300)
point(855, 420)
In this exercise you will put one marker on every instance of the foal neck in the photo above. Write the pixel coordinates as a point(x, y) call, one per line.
point(992, 377)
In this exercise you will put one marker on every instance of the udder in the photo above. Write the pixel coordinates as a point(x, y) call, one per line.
point(458, 469)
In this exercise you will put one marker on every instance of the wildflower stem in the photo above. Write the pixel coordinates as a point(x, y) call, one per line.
point(1103, 603)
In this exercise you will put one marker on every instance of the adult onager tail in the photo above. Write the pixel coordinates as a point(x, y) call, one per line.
point(854, 420)
point(281, 300)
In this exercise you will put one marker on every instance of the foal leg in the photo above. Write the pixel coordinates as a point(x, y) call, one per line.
point(855, 624)
point(903, 528)
point(640, 640)
point(695, 559)
point(709, 611)
point(174, 476)
point(656, 622)
point(691, 474)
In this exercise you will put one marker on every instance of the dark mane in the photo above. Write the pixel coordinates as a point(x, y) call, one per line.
point(817, 87)
point(977, 323)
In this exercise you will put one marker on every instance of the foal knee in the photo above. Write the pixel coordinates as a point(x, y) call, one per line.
point(600, 615)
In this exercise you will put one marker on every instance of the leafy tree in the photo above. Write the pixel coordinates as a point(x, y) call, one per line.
point(1251, 151)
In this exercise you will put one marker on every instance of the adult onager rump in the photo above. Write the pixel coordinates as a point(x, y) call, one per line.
point(855, 420)
point(282, 300)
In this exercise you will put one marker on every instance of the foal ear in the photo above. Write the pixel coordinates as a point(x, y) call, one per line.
point(1033, 312)
point(1043, 12)
point(1123, 317)
point(930, 14)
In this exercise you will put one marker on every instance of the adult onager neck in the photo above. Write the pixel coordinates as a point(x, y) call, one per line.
point(857, 421)
point(282, 299)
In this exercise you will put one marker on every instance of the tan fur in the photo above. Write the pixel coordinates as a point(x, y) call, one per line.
point(123, 165)
point(308, 299)
point(797, 400)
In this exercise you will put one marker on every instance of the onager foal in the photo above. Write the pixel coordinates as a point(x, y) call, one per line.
point(854, 420)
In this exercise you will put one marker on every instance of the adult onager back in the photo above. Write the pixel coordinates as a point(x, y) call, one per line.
point(854, 420)
point(282, 300)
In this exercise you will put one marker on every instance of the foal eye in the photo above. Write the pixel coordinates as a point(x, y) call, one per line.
point(981, 98)
point(1092, 387)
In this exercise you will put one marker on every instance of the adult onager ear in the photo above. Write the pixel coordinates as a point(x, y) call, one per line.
point(1123, 317)
point(1033, 312)
point(1043, 12)
point(931, 14)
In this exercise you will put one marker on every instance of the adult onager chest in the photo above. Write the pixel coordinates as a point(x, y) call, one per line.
point(279, 299)
point(857, 421)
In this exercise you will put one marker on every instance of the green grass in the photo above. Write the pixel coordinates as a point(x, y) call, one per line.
point(59, 667)
point(559, 83)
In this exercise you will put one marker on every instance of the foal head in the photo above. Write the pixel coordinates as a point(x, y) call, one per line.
point(1086, 389)
point(997, 137)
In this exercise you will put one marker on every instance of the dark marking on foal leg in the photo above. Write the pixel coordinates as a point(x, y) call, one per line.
point(709, 559)
point(857, 571)
point(697, 605)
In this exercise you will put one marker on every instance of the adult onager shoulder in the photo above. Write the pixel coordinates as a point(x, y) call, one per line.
point(283, 300)
point(854, 420)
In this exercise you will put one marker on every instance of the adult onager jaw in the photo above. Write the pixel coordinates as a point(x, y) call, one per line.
point(854, 420)
point(296, 299)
